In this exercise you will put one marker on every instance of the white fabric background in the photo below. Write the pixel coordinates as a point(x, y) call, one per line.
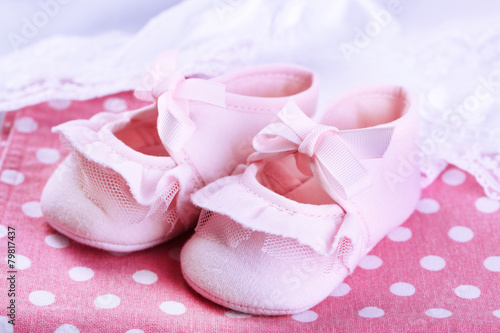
point(77, 17)
point(439, 49)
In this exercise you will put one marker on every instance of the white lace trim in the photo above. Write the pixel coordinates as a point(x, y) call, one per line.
point(214, 37)
point(65, 68)
point(463, 102)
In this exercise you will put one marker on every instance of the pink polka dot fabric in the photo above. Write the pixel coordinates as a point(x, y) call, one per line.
point(440, 271)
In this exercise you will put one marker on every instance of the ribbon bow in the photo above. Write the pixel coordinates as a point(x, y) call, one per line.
point(336, 154)
point(166, 86)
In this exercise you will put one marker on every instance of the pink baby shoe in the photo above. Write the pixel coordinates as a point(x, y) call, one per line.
point(279, 235)
point(127, 183)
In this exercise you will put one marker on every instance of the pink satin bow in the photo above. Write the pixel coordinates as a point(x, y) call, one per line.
point(167, 87)
point(336, 153)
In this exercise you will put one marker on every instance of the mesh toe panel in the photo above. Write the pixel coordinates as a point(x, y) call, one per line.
point(108, 190)
point(224, 230)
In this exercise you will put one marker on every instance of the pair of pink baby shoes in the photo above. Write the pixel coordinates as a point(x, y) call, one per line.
point(282, 223)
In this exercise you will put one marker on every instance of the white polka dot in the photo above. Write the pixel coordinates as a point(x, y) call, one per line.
point(237, 315)
point(453, 177)
point(108, 301)
point(12, 177)
point(81, 273)
point(26, 125)
point(21, 261)
point(401, 234)
point(305, 317)
point(48, 155)
point(487, 205)
point(402, 289)
point(59, 104)
point(370, 262)
point(57, 240)
point(371, 312)
point(433, 263)
point(175, 253)
point(172, 308)
point(428, 206)
point(467, 291)
point(342, 290)
point(42, 298)
point(115, 104)
point(438, 313)
point(67, 328)
point(32, 209)
point(135, 330)
point(492, 264)
point(496, 313)
point(118, 254)
point(461, 234)
point(145, 277)
point(5, 326)
point(3, 231)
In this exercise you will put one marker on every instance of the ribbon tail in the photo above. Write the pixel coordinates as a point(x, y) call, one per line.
point(368, 143)
point(343, 171)
point(174, 125)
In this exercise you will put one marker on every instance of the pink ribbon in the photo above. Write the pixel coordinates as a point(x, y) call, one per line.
point(171, 91)
point(337, 154)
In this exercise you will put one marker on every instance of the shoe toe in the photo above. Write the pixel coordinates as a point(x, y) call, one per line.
point(67, 209)
point(246, 279)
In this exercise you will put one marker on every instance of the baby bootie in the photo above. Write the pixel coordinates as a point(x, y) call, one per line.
point(279, 235)
point(127, 183)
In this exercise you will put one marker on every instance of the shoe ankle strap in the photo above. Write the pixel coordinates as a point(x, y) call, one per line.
point(336, 154)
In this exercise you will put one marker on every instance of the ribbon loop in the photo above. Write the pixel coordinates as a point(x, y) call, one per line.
point(167, 84)
point(171, 91)
point(335, 154)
